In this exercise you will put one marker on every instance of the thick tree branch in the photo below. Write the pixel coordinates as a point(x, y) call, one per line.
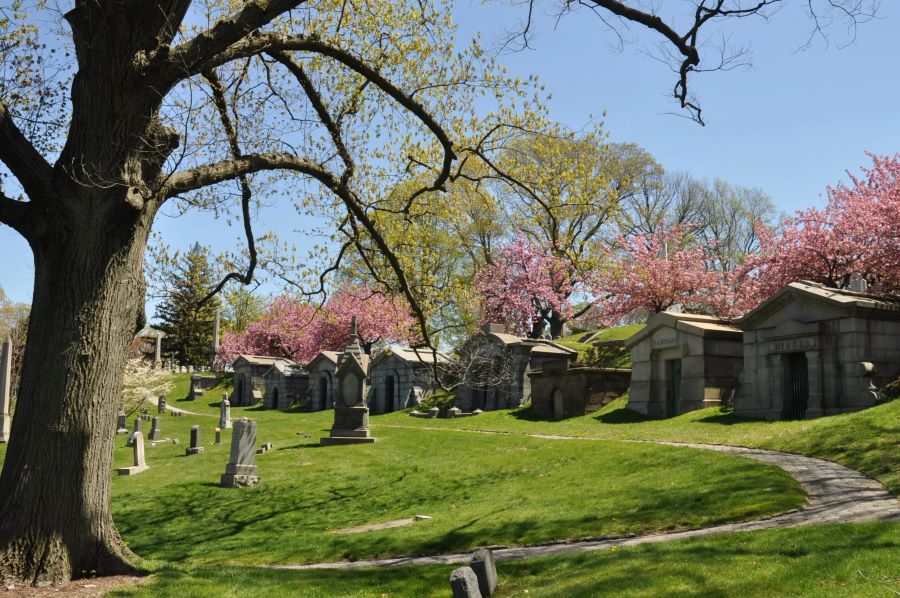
point(226, 170)
point(22, 159)
point(19, 215)
point(187, 58)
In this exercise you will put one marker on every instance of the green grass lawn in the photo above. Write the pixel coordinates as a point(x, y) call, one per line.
point(511, 489)
point(835, 560)
point(865, 440)
point(590, 354)
point(479, 489)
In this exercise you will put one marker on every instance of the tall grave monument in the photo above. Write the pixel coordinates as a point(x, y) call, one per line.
point(5, 384)
point(351, 415)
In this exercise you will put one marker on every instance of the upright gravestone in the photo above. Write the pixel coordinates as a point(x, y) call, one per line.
point(241, 469)
point(5, 384)
point(140, 463)
point(195, 448)
point(485, 569)
point(225, 412)
point(218, 435)
point(138, 428)
point(161, 404)
point(351, 415)
point(155, 432)
point(196, 387)
point(121, 423)
point(464, 583)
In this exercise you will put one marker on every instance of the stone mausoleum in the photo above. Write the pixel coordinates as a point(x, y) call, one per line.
point(400, 378)
point(520, 356)
point(321, 381)
point(286, 383)
point(560, 391)
point(811, 351)
point(249, 378)
point(682, 362)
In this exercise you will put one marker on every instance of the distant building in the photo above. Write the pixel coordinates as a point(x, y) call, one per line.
point(285, 384)
point(401, 377)
point(810, 351)
point(321, 380)
point(249, 377)
point(146, 345)
point(513, 359)
point(682, 362)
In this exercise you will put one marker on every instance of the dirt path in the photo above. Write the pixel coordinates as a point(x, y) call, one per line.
point(836, 494)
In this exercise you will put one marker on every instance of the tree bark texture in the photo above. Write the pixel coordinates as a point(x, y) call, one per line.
point(55, 520)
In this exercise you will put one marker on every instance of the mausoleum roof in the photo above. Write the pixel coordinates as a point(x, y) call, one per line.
point(838, 302)
point(422, 356)
point(260, 360)
point(698, 324)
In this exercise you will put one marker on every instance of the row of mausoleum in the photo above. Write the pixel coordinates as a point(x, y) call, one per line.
point(807, 351)
point(397, 378)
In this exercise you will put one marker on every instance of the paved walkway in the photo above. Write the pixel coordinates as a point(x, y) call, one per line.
point(836, 494)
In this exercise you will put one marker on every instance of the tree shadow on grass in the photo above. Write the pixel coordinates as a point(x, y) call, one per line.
point(622, 416)
point(725, 419)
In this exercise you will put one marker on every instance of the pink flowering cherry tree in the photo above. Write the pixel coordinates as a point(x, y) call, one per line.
point(526, 286)
point(298, 331)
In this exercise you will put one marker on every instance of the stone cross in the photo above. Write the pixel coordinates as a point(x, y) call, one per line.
point(155, 432)
point(122, 423)
point(5, 383)
point(195, 448)
point(225, 412)
point(138, 428)
point(241, 469)
point(140, 463)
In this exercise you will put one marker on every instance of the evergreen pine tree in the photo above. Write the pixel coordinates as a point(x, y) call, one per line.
point(189, 326)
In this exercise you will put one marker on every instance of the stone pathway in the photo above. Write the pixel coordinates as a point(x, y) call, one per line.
point(169, 407)
point(836, 494)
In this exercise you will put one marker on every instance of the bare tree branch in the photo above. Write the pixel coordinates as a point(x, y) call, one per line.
point(246, 277)
point(22, 159)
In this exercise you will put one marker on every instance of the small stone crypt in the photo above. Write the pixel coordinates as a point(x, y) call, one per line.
point(249, 377)
point(285, 383)
point(561, 391)
point(810, 351)
point(682, 362)
point(321, 381)
point(401, 378)
point(520, 356)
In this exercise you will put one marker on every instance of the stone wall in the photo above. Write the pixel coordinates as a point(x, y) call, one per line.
point(558, 391)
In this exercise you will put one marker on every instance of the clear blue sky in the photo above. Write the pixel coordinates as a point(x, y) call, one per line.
point(791, 125)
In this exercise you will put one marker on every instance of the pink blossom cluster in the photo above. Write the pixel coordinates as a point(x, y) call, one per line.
point(654, 272)
point(299, 331)
point(522, 283)
point(856, 232)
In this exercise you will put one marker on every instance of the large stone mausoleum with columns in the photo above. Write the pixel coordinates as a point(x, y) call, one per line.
point(810, 351)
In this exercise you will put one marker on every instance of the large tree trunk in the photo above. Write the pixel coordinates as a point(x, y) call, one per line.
point(55, 520)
